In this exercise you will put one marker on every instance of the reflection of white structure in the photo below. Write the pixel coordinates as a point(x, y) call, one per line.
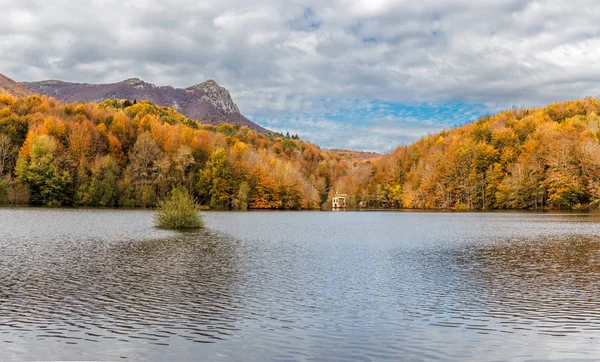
point(339, 200)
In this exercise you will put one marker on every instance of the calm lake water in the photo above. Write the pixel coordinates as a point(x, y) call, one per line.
point(339, 286)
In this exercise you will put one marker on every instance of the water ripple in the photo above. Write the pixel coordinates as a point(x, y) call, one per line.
point(383, 286)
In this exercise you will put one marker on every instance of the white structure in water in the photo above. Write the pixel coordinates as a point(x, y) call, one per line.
point(339, 201)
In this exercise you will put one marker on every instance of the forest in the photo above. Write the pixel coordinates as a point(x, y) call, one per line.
point(131, 154)
point(536, 158)
point(120, 153)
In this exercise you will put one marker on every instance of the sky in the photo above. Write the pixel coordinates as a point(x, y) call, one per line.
point(365, 74)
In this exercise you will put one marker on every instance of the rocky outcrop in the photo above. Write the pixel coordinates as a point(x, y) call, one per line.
point(216, 95)
point(206, 102)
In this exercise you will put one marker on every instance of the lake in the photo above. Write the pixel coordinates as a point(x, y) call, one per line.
point(299, 286)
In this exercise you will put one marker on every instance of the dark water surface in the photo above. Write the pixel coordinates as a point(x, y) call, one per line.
point(89, 284)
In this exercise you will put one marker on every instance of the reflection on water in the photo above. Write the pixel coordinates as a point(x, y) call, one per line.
point(84, 284)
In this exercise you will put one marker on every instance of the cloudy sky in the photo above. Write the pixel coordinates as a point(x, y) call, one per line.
point(364, 74)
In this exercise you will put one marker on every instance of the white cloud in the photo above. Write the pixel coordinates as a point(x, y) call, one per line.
point(284, 57)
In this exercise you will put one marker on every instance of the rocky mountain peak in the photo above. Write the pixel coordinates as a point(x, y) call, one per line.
point(209, 83)
point(216, 95)
point(206, 102)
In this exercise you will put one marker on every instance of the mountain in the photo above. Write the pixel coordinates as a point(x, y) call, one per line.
point(12, 87)
point(206, 102)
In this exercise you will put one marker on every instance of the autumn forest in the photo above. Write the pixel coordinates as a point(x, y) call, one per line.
point(120, 153)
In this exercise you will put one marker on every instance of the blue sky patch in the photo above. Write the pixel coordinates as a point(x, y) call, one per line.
point(372, 125)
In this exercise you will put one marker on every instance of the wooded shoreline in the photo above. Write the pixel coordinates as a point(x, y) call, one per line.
point(120, 153)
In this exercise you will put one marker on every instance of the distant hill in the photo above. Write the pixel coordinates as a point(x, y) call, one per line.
point(206, 102)
point(12, 87)
point(355, 155)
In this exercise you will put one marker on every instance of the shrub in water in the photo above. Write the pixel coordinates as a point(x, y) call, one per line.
point(178, 211)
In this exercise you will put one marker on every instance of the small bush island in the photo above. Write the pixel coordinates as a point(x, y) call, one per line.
point(178, 211)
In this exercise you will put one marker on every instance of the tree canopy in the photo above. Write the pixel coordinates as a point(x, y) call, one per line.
point(516, 159)
point(132, 154)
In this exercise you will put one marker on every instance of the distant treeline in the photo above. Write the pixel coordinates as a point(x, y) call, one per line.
point(132, 153)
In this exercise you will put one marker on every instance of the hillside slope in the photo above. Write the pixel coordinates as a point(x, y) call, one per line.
point(517, 159)
point(12, 87)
